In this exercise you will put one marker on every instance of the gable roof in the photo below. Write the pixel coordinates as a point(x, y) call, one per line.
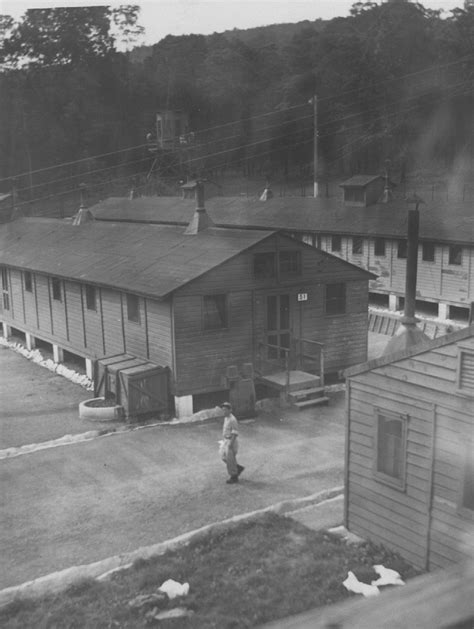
point(447, 339)
point(152, 260)
point(447, 221)
point(144, 259)
point(360, 181)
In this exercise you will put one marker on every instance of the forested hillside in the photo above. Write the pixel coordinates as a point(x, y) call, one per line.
point(393, 81)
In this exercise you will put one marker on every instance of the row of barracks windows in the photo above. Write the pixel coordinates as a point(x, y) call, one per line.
point(427, 249)
point(390, 454)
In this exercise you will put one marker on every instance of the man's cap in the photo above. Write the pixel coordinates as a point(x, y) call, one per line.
point(226, 405)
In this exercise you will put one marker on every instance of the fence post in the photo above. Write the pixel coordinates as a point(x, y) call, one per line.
point(287, 367)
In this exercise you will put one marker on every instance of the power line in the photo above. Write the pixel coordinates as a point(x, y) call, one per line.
point(254, 117)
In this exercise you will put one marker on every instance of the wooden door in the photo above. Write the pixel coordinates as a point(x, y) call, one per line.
point(277, 325)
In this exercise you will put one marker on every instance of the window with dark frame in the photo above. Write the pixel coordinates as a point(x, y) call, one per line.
point(402, 249)
point(379, 247)
point(215, 316)
point(56, 288)
point(357, 244)
point(5, 289)
point(290, 262)
point(336, 243)
point(91, 298)
point(467, 486)
point(390, 452)
point(28, 281)
point(133, 308)
point(455, 255)
point(264, 265)
point(428, 252)
point(335, 298)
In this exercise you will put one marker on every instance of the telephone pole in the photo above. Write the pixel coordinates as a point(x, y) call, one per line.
point(314, 100)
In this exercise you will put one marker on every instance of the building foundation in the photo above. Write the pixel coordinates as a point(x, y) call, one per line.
point(7, 331)
point(183, 405)
point(30, 341)
point(393, 302)
point(443, 310)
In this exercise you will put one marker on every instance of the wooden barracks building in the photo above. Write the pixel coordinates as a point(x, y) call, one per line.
point(194, 298)
point(366, 228)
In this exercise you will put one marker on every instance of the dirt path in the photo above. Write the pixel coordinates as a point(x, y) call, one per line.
point(80, 503)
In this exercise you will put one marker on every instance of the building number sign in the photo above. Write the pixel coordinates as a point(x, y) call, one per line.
point(302, 296)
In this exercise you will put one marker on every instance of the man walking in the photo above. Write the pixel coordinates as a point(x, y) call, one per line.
point(230, 434)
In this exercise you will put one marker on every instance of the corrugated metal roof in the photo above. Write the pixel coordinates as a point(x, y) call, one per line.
point(145, 259)
point(447, 221)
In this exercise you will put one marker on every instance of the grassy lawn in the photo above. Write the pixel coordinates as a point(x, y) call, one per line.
point(262, 570)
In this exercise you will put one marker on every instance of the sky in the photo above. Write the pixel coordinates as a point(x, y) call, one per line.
point(183, 17)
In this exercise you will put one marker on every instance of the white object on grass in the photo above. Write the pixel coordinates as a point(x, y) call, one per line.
point(174, 588)
point(387, 576)
point(353, 584)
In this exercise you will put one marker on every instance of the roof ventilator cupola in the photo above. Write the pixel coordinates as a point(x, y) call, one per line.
point(201, 219)
point(84, 215)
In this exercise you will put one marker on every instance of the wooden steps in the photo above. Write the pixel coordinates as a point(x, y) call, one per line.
point(305, 398)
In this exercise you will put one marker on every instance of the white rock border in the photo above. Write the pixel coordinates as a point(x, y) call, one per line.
point(35, 356)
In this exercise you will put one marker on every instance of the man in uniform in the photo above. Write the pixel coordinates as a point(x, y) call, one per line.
point(230, 434)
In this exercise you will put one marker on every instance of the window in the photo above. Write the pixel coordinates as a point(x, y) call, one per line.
point(336, 243)
point(56, 285)
point(264, 265)
point(290, 262)
point(455, 255)
point(28, 281)
point(390, 444)
point(335, 298)
point(133, 309)
point(379, 247)
point(5, 290)
point(357, 244)
point(428, 252)
point(214, 312)
point(402, 249)
point(91, 298)
point(465, 374)
point(466, 502)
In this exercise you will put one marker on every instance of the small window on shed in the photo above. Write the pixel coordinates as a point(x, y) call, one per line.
point(133, 308)
point(336, 298)
point(336, 243)
point(357, 244)
point(455, 255)
point(91, 298)
point(214, 312)
point(467, 484)
point(402, 249)
point(379, 247)
point(390, 443)
point(28, 281)
point(428, 252)
point(290, 262)
point(264, 265)
point(56, 288)
point(465, 374)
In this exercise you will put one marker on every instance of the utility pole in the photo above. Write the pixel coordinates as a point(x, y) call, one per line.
point(314, 100)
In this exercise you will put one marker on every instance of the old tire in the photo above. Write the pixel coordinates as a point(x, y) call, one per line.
point(100, 413)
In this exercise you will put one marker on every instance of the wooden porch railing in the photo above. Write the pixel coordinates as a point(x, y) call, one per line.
point(300, 352)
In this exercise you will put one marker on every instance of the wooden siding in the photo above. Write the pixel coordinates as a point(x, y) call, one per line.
point(437, 280)
point(423, 522)
point(91, 333)
point(202, 356)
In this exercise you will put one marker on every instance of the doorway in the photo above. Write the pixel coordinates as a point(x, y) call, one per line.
point(278, 325)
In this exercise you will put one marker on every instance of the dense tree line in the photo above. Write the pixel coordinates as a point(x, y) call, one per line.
point(393, 81)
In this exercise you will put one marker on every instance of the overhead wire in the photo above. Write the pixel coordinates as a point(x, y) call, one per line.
point(254, 117)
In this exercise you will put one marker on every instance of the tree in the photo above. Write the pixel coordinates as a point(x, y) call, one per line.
point(68, 35)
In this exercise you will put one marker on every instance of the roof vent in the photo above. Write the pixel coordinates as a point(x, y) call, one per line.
point(83, 216)
point(201, 219)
